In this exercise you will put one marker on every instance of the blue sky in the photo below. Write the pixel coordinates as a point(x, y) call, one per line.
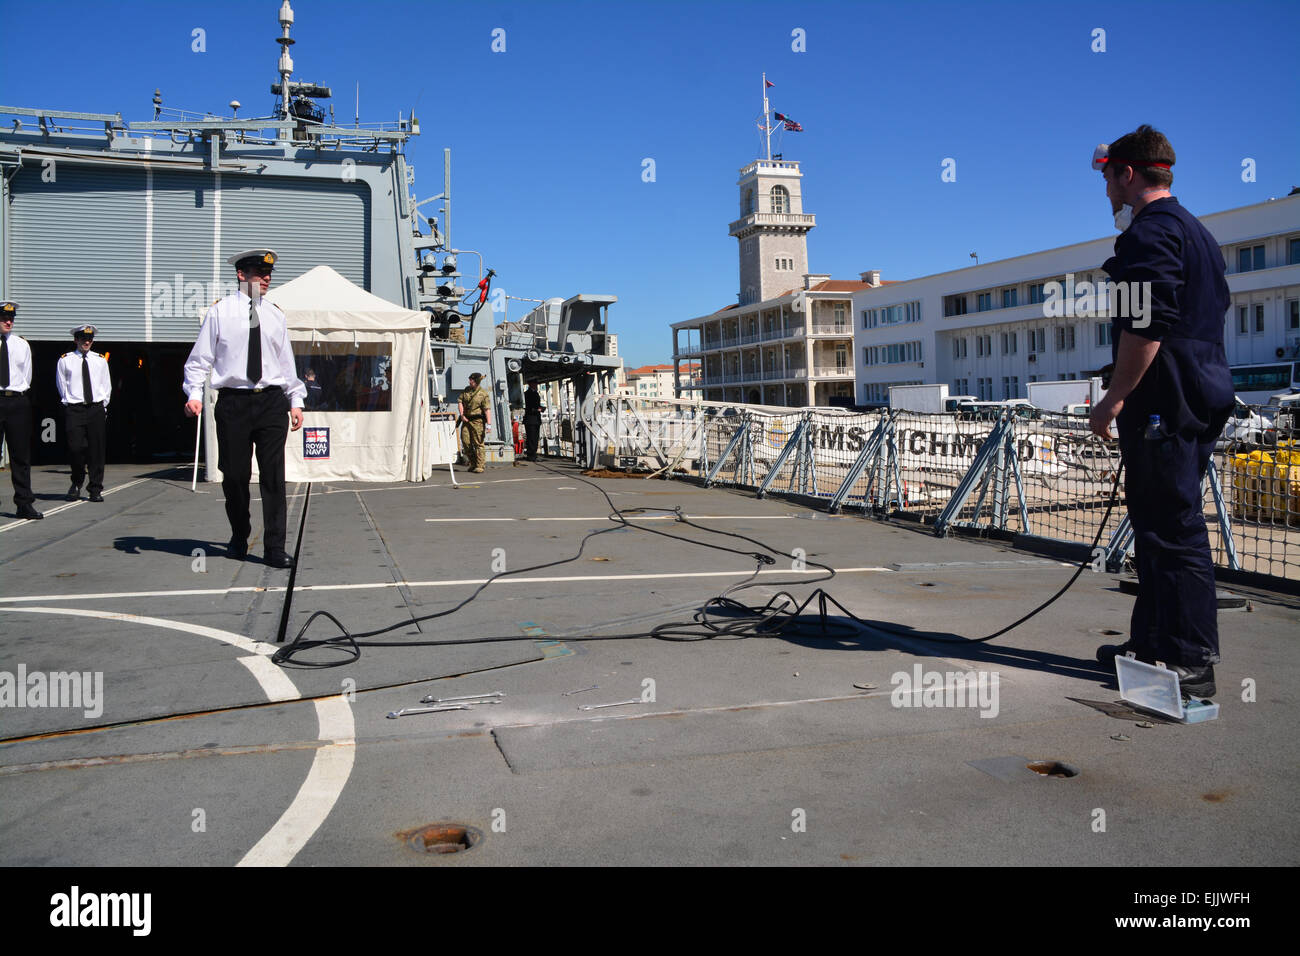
point(549, 137)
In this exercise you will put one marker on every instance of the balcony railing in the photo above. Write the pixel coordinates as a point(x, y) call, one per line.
point(833, 371)
point(774, 219)
point(749, 338)
point(729, 342)
point(690, 349)
point(832, 328)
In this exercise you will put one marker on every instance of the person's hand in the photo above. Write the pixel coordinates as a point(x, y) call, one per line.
point(295, 419)
point(193, 407)
point(1103, 413)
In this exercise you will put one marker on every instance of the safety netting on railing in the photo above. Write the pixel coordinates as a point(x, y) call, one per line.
point(1067, 477)
point(1038, 474)
point(1258, 461)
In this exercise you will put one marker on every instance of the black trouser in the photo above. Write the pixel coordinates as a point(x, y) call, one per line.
point(532, 429)
point(86, 429)
point(16, 428)
point(245, 419)
point(1175, 616)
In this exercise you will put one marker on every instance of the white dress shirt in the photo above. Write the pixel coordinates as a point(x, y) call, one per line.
point(222, 348)
point(20, 364)
point(67, 376)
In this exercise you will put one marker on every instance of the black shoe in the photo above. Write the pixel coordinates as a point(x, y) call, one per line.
point(74, 493)
point(96, 496)
point(1107, 653)
point(29, 513)
point(1195, 681)
point(279, 560)
point(237, 549)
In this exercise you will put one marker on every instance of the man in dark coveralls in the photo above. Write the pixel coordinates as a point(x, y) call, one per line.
point(1169, 362)
point(532, 420)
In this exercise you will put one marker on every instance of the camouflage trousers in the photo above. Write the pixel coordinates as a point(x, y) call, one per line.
point(471, 444)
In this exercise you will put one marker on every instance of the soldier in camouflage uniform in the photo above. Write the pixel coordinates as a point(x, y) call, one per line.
point(473, 418)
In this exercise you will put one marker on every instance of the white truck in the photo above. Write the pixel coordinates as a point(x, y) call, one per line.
point(918, 398)
point(1060, 396)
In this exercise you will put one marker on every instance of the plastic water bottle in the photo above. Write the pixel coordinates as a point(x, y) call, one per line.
point(1155, 432)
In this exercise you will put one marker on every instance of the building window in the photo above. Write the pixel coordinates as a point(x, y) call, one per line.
point(780, 199)
point(1259, 317)
point(959, 348)
point(1065, 338)
point(868, 318)
point(1293, 251)
point(1243, 320)
point(747, 204)
point(1103, 335)
point(961, 387)
point(1250, 258)
point(1293, 315)
point(983, 345)
point(1009, 343)
point(1037, 340)
point(840, 311)
point(983, 301)
point(954, 305)
point(1010, 386)
point(1009, 298)
point(986, 389)
point(1036, 293)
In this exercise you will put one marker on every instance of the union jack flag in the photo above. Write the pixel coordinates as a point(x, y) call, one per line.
point(790, 124)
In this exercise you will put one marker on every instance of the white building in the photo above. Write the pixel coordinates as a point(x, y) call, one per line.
point(789, 340)
point(650, 381)
point(987, 330)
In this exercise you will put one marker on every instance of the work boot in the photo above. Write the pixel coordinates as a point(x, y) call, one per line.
point(74, 492)
point(1195, 681)
point(1107, 653)
point(29, 513)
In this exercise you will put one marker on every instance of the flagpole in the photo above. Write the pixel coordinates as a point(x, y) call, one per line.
point(767, 125)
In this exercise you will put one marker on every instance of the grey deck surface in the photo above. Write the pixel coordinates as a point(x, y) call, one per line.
point(744, 738)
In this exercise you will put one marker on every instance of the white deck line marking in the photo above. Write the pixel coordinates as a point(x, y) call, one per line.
point(70, 504)
point(275, 682)
point(453, 583)
point(414, 486)
point(671, 517)
point(226, 637)
point(183, 592)
point(330, 769)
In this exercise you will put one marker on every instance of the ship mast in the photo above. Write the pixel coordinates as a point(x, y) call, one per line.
point(286, 61)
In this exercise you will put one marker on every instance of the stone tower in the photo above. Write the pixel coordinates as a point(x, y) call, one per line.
point(772, 229)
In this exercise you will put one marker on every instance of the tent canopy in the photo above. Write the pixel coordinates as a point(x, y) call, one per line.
point(322, 299)
point(381, 352)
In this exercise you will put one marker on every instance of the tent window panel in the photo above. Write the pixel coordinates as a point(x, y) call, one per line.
point(342, 377)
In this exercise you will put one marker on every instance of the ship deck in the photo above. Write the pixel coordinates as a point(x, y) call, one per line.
point(753, 751)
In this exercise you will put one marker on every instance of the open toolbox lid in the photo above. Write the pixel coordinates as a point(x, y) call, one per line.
point(1154, 687)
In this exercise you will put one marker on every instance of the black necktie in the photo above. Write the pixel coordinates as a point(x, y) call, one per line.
point(4, 361)
point(254, 345)
point(87, 390)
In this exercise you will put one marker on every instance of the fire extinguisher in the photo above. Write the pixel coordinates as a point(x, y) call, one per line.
point(519, 439)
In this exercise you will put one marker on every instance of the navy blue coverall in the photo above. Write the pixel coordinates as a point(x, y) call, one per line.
point(1189, 386)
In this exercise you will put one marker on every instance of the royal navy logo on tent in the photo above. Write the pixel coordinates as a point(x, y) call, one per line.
point(315, 444)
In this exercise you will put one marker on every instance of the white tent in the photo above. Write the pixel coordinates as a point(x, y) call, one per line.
point(333, 323)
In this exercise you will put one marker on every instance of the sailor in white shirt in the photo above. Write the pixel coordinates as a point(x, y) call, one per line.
point(84, 387)
point(16, 409)
point(244, 343)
